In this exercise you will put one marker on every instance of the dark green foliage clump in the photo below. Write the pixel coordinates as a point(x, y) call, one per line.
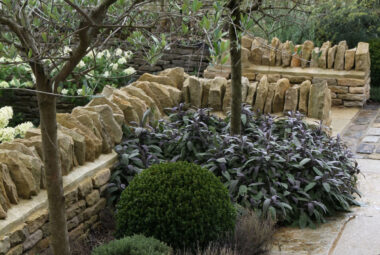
point(133, 245)
point(179, 203)
point(280, 166)
point(375, 69)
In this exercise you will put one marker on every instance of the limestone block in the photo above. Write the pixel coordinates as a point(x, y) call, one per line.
point(137, 104)
point(353, 103)
point(33, 143)
point(161, 79)
point(195, 91)
point(145, 86)
point(279, 95)
point(362, 58)
point(227, 97)
point(93, 210)
point(307, 49)
point(279, 55)
point(79, 143)
point(269, 100)
point(250, 75)
point(71, 196)
point(217, 89)
point(36, 221)
point(319, 101)
point(273, 78)
point(251, 93)
point(286, 54)
point(176, 74)
point(17, 250)
point(210, 74)
point(357, 90)
point(322, 60)
point(256, 56)
point(333, 95)
point(331, 56)
point(76, 232)
point(206, 85)
point(273, 51)
point(296, 58)
point(175, 94)
point(262, 92)
point(75, 209)
point(8, 184)
point(186, 92)
point(352, 97)
point(246, 41)
point(339, 57)
point(304, 97)
point(162, 94)
point(259, 77)
point(351, 82)
point(314, 57)
point(5, 244)
point(337, 101)
point(5, 204)
point(339, 89)
point(291, 99)
point(32, 240)
point(66, 152)
point(93, 197)
point(101, 178)
point(297, 79)
point(349, 59)
point(245, 55)
point(330, 81)
point(85, 188)
point(244, 88)
point(117, 112)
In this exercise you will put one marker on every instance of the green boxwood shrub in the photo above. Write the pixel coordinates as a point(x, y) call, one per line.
point(133, 245)
point(375, 69)
point(179, 203)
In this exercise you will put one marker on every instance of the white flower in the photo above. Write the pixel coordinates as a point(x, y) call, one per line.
point(106, 53)
point(18, 59)
point(22, 128)
point(122, 61)
point(14, 82)
point(90, 54)
point(114, 66)
point(81, 64)
point(33, 78)
point(100, 55)
point(79, 92)
point(2, 60)
point(66, 50)
point(130, 71)
point(28, 84)
point(128, 54)
point(118, 52)
point(106, 74)
point(4, 84)
point(7, 134)
point(64, 91)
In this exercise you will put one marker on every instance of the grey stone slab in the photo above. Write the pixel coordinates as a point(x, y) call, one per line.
point(374, 131)
point(354, 134)
point(362, 120)
point(378, 149)
point(371, 139)
point(365, 148)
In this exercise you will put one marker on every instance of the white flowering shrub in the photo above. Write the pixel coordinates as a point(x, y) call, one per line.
point(7, 134)
point(15, 75)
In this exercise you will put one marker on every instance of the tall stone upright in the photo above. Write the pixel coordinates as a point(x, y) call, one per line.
point(349, 59)
point(286, 54)
point(362, 58)
point(262, 92)
point(320, 102)
point(304, 97)
point(279, 95)
point(339, 57)
point(273, 51)
point(307, 49)
point(322, 61)
point(331, 56)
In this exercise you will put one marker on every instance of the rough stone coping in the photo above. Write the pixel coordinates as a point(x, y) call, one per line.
point(17, 214)
point(296, 71)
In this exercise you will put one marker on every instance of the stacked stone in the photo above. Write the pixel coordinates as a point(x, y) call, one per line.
point(85, 133)
point(83, 205)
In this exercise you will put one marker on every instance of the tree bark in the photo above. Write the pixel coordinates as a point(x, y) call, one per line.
point(58, 228)
point(235, 52)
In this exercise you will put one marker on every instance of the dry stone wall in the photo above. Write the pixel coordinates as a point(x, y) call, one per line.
point(347, 71)
point(89, 133)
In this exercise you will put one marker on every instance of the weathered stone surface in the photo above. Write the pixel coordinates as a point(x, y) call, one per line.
point(101, 178)
point(272, 78)
point(195, 91)
point(352, 97)
point(66, 149)
point(8, 184)
point(245, 55)
point(175, 94)
point(5, 204)
point(322, 60)
point(76, 233)
point(93, 197)
point(291, 99)
point(269, 100)
point(279, 96)
point(251, 93)
point(75, 209)
point(217, 90)
point(337, 101)
point(137, 104)
point(33, 143)
point(79, 143)
point(19, 147)
point(314, 57)
point(256, 56)
point(331, 56)
point(250, 75)
point(246, 41)
point(296, 79)
point(330, 81)
point(93, 143)
point(18, 235)
point(206, 85)
point(279, 55)
point(176, 74)
point(227, 97)
point(351, 82)
point(319, 101)
point(244, 88)
point(5, 244)
point(158, 78)
point(286, 54)
point(145, 86)
point(307, 49)
point(17, 250)
point(117, 112)
point(333, 95)
point(296, 58)
point(339, 57)
point(273, 51)
point(356, 90)
point(85, 188)
point(339, 89)
point(349, 59)
point(32, 240)
point(362, 58)
point(365, 148)
point(262, 92)
point(304, 97)
point(71, 196)
point(353, 103)
point(93, 210)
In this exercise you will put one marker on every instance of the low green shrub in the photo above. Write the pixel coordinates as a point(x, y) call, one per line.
point(375, 69)
point(178, 203)
point(133, 245)
point(280, 166)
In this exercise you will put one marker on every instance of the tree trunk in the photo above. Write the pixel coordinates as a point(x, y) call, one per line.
point(235, 52)
point(58, 228)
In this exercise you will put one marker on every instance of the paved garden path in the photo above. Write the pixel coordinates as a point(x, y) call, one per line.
point(357, 232)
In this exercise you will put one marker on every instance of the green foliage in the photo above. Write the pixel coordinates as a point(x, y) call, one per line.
point(375, 68)
point(133, 245)
point(296, 173)
point(179, 203)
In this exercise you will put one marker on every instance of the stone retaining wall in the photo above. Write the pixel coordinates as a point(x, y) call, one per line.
point(347, 71)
